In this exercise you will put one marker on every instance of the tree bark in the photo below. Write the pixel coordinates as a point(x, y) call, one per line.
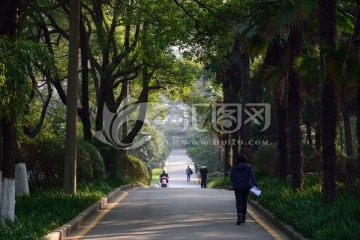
point(281, 117)
point(273, 58)
point(246, 98)
point(21, 180)
point(329, 110)
point(0, 185)
point(357, 44)
point(85, 109)
point(234, 74)
point(8, 168)
point(294, 46)
point(226, 136)
point(70, 163)
point(9, 10)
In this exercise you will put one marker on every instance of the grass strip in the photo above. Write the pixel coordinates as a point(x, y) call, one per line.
point(305, 211)
point(45, 210)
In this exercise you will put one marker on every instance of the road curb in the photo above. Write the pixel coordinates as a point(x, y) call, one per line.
point(79, 220)
point(286, 229)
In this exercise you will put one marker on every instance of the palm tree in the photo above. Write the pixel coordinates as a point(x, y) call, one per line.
point(273, 57)
point(329, 112)
point(357, 44)
point(294, 48)
point(291, 25)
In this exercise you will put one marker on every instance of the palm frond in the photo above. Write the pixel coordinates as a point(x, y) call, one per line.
point(344, 66)
point(277, 80)
point(307, 66)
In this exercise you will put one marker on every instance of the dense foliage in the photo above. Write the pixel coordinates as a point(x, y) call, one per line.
point(306, 212)
point(202, 149)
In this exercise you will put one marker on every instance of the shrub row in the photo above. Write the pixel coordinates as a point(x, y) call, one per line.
point(44, 158)
point(266, 161)
point(306, 211)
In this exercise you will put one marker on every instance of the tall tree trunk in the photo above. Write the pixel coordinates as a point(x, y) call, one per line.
point(70, 162)
point(226, 136)
point(357, 44)
point(227, 154)
point(8, 168)
point(281, 117)
point(8, 27)
point(294, 46)
point(99, 111)
point(273, 58)
point(318, 136)
point(246, 96)
point(84, 112)
point(234, 74)
point(358, 129)
point(329, 111)
point(295, 136)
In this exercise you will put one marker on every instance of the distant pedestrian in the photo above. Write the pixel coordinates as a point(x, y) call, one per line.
point(243, 179)
point(189, 172)
point(203, 172)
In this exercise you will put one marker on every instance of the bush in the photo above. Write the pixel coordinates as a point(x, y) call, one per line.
point(223, 182)
point(84, 164)
point(346, 167)
point(133, 168)
point(44, 157)
point(96, 160)
point(119, 165)
point(266, 160)
point(313, 163)
point(111, 158)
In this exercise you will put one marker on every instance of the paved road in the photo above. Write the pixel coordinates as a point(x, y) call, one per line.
point(176, 166)
point(182, 211)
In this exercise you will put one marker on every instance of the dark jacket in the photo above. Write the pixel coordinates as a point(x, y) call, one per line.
point(203, 171)
point(242, 176)
point(164, 175)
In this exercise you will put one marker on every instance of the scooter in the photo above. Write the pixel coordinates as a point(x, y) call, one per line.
point(164, 181)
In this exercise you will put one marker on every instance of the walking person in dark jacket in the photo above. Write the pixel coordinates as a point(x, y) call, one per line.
point(204, 172)
point(243, 179)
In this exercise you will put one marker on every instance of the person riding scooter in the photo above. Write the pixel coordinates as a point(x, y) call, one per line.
point(164, 179)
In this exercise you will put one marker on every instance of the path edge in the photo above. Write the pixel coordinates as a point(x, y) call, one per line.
point(78, 221)
point(289, 231)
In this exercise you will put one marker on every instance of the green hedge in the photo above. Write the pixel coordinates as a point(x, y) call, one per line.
point(44, 157)
point(119, 165)
point(266, 158)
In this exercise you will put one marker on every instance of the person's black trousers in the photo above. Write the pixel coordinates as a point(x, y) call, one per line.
point(203, 182)
point(241, 196)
